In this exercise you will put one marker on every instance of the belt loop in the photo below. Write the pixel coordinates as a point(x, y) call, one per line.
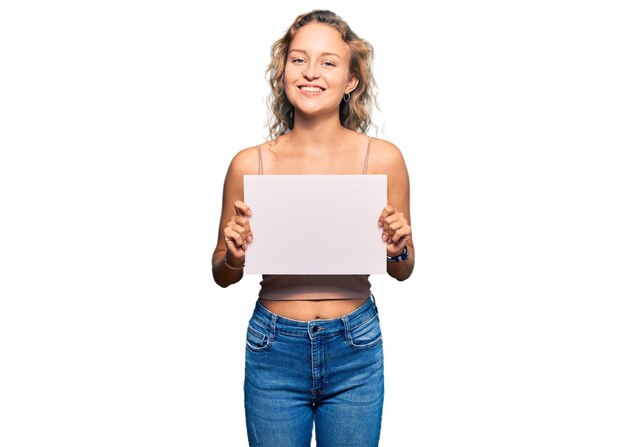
point(374, 301)
point(273, 327)
point(346, 325)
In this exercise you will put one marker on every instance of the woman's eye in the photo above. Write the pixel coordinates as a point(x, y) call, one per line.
point(299, 60)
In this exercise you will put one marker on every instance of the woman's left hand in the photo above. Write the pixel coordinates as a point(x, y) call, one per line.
point(396, 230)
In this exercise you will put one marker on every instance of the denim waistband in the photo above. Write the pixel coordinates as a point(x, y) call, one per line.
point(283, 325)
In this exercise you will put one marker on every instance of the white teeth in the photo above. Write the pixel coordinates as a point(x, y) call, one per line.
point(311, 89)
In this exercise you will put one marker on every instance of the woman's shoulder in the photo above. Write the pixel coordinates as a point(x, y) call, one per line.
point(385, 147)
point(384, 156)
point(246, 161)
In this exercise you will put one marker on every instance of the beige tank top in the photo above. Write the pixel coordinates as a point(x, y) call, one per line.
point(315, 287)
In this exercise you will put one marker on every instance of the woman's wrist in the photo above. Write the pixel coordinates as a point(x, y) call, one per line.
point(234, 265)
point(403, 256)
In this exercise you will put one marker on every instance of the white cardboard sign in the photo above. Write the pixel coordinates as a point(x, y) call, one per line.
point(316, 224)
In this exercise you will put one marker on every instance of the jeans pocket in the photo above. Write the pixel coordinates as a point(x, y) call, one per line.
point(366, 335)
point(257, 336)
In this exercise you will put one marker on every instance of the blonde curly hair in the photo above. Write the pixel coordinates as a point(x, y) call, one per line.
point(354, 114)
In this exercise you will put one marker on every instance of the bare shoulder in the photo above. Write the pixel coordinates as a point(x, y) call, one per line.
point(246, 161)
point(385, 157)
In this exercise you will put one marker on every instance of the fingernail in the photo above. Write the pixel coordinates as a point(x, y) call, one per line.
point(249, 238)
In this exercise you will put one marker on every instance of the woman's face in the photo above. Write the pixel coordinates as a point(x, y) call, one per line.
point(317, 70)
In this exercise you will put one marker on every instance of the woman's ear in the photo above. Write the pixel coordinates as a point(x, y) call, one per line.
point(352, 84)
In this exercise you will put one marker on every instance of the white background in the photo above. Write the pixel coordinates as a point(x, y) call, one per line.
point(117, 122)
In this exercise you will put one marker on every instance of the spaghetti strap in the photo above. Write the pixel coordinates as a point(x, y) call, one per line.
point(367, 155)
point(260, 160)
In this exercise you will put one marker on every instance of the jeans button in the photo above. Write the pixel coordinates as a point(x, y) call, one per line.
point(314, 329)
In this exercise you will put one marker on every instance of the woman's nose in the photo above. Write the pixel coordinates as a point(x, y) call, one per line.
point(310, 72)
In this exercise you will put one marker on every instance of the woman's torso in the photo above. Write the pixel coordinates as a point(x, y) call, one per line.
point(351, 157)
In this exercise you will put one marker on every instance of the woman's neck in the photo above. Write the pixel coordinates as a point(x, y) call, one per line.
point(315, 136)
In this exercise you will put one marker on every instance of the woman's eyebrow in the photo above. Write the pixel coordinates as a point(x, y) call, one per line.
point(325, 53)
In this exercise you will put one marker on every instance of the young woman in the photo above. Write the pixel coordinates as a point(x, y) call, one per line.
point(314, 345)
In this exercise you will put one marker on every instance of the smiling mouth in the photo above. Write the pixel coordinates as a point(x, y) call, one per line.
point(306, 88)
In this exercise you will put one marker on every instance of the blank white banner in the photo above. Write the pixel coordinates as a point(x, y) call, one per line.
point(316, 224)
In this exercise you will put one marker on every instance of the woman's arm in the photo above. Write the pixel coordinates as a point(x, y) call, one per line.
point(228, 268)
point(396, 217)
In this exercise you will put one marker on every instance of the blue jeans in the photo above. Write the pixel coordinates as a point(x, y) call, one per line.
point(325, 371)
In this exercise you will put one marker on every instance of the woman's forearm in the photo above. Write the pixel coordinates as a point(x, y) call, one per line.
point(224, 275)
point(403, 269)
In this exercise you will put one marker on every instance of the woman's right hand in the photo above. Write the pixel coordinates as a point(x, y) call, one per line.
point(237, 233)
